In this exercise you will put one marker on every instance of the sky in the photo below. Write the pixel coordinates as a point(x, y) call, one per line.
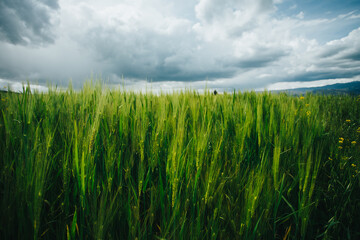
point(180, 44)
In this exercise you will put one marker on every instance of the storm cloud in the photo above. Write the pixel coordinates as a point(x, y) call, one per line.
point(27, 21)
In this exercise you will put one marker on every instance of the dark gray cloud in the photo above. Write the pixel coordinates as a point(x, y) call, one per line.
point(355, 56)
point(322, 75)
point(27, 21)
point(263, 58)
point(144, 53)
point(331, 51)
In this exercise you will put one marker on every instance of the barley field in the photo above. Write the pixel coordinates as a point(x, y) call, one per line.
point(114, 164)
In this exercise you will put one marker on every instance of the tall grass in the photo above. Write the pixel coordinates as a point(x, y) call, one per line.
point(101, 164)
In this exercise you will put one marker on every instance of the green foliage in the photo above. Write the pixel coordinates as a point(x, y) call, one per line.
point(101, 164)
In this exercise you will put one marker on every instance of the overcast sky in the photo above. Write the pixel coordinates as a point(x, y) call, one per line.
point(162, 44)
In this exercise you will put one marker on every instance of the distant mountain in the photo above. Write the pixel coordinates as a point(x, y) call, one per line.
point(352, 88)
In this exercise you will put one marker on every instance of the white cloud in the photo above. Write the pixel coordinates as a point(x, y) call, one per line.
point(294, 6)
point(300, 15)
point(219, 20)
point(347, 47)
point(355, 16)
